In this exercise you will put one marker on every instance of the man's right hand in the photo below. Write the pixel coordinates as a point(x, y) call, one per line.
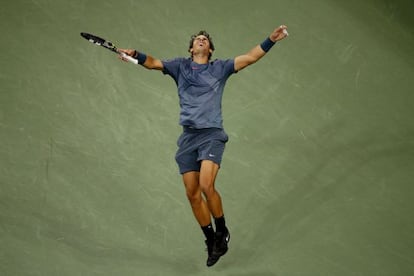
point(129, 52)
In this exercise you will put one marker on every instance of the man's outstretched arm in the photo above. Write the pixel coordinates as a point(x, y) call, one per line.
point(259, 51)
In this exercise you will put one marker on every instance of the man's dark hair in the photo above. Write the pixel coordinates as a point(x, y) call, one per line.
point(206, 34)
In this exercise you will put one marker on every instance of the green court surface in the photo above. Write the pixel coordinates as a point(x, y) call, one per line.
point(317, 178)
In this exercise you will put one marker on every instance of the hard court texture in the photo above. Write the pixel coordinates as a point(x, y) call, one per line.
point(317, 178)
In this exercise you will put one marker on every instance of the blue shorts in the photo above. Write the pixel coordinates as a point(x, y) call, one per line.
point(195, 145)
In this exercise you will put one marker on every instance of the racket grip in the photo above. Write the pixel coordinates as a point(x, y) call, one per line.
point(129, 58)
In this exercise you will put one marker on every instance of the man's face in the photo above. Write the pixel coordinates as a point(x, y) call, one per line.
point(201, 42)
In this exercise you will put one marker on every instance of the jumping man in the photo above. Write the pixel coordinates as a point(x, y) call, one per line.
point(200, 83)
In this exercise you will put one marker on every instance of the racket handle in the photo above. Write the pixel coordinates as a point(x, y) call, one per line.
point(129, 58)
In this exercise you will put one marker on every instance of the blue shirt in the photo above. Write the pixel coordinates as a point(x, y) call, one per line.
point(200, 90)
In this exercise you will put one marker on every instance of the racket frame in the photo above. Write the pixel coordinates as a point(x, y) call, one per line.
point(107, 45)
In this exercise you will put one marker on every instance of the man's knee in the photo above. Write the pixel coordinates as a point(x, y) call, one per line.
point(194, 197)
point(208, 190)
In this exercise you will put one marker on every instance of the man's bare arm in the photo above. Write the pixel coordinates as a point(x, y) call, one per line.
point(258, 52)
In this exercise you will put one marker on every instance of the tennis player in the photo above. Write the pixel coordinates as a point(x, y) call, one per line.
point(200, 83)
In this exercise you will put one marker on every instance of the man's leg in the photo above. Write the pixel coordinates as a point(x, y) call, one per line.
point(208, 173)
point(198, 204)
point(200, 209)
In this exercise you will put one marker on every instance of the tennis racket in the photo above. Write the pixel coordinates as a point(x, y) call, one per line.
point(108, 45)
